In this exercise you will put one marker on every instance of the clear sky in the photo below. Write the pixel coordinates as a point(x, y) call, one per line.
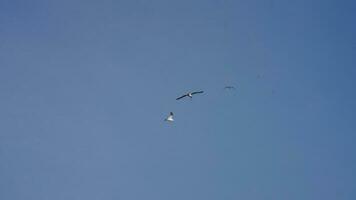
point(86, 84)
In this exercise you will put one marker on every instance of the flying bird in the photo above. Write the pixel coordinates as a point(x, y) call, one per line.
point(229, 87)
point(170, 117)
point(190, 94)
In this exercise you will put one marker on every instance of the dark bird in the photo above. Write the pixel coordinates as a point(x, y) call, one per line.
point(190, 94)
point(229, 87)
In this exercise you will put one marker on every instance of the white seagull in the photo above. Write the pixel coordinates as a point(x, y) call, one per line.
point(170, 117)
point(190, 94)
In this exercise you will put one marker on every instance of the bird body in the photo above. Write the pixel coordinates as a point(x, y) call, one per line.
point(170, 117)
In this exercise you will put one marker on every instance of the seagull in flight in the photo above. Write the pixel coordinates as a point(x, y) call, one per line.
point(190, 94)
point(170, 117)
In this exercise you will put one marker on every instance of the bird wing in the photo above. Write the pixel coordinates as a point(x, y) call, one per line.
point(181, 97)
point(197, 92)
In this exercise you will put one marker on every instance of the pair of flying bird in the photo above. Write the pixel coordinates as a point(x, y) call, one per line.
point(190, 95)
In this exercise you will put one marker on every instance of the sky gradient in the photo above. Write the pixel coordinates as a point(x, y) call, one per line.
point(85, 87)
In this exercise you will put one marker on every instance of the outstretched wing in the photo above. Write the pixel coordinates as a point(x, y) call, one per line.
point(197, 92)
point(181, 97)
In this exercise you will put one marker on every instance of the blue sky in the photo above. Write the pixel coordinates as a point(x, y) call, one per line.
point(85, 86)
